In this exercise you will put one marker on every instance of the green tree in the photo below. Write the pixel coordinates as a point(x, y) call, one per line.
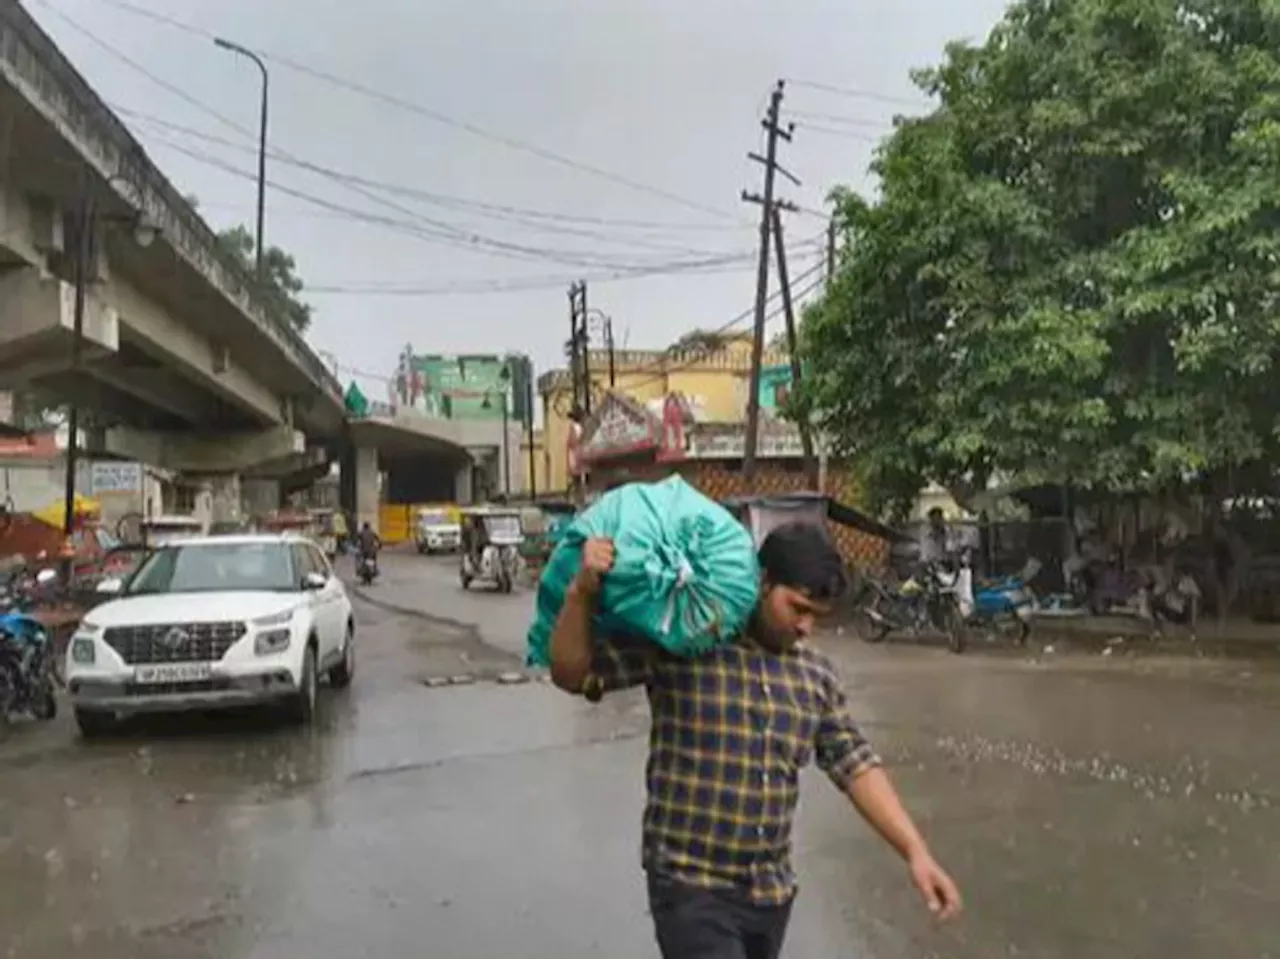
point(1070, 273)
point(283, 288)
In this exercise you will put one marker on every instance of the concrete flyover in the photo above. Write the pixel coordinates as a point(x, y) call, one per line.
point(427, 459)
point(181, 365)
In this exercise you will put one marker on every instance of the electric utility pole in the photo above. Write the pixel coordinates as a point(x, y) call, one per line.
point(767, 205)
point(580, 344)
point(802, 415)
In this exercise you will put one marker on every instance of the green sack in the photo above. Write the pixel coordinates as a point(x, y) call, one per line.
point(685, 573)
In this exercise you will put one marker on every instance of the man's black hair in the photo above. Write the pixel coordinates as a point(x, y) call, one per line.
point(802, 556)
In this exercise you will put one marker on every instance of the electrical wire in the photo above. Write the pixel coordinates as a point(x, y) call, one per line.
point(429, 196)
point(494, 211)
point(859, 93)
point(835, 132)
point(841, 119)
point(440, 232)
point(425, 112)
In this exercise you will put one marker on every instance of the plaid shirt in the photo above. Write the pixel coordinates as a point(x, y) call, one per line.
point(731, 731)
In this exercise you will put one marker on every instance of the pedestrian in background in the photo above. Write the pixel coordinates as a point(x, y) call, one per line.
point(731, 731)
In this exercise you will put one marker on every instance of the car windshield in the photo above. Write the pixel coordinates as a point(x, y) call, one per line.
point(215, 567)
point(433, 518)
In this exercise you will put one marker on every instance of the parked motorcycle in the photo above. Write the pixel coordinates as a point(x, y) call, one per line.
point(367, 570)
point(28, 671)
point(925, 602)
point(1005, 604)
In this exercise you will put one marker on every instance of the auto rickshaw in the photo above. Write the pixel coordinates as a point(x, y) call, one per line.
point(491, 537)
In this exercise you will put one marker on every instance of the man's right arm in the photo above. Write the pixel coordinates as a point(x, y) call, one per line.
point(580, 662)
point(571, 652)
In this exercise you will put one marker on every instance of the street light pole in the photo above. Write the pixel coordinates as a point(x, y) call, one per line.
point(262, 147)
point(84, 219)
point(528, 429)
point(506, 449)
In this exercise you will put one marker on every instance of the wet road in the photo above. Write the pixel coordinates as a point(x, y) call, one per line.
point(1090, 806)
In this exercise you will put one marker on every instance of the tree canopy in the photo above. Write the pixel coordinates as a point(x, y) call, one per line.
point(283, 287)
point(1070, 273)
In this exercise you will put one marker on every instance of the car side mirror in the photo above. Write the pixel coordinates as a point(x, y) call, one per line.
point(314, 581)
point(109, 586)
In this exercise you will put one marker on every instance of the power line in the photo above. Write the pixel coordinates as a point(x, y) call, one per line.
point(494, 211)
point(854, 92)
point(842, 119)
point(835, 132)
point(434, 231)
point(439, 229)
point(448, 234)
point(429, 113)
point(439, 198)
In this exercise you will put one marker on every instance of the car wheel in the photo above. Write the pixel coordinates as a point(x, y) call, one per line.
point(340, 676)
point(302, 707)
point(95, 723)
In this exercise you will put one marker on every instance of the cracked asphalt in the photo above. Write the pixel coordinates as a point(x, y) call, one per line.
point(1090, 806)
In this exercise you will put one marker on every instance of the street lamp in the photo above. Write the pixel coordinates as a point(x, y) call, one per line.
point(262, 146)
point(505, 376)
point(84, 228)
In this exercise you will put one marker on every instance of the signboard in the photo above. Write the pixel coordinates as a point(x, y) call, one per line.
point(728, 446)
point(456, 387)
point(619, 429)
point(117, 478)
point(775, 386)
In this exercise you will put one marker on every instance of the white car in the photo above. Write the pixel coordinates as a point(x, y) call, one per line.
point(214, 622)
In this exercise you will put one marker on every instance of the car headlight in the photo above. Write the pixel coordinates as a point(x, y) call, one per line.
point(83, 651)
point(271, 641)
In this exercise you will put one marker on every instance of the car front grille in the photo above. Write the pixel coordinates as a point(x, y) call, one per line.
point(174, 642)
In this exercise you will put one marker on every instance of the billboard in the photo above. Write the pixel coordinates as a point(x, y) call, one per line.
point(775, 386)
point(463, 386)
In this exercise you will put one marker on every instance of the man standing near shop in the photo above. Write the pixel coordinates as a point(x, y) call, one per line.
point(731, 731)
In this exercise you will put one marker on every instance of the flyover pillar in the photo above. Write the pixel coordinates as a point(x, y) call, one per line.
point(219, 498)
point(462, 484)
point(363, 466)
point(259, 495)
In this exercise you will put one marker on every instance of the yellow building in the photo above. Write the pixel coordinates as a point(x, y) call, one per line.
point(714, 380)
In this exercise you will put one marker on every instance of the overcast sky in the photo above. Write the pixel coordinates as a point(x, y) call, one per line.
point(663, 93)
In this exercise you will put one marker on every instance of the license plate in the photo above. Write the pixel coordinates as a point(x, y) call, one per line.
point(173, 673)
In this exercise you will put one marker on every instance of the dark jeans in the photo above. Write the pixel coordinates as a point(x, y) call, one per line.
point(693, 923)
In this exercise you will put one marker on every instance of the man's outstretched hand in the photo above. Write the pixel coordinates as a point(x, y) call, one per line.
point(940, 892)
